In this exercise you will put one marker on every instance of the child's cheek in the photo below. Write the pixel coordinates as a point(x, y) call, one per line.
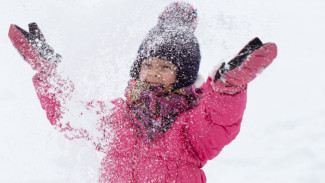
point(143, 75)
point(168, 79)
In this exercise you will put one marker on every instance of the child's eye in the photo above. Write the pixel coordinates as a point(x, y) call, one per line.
point(166, 67)
point(146, 65)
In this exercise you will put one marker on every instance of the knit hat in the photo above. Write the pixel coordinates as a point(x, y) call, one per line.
point(173, 39)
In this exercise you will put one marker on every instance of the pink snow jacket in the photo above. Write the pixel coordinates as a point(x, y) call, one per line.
point(197, 135)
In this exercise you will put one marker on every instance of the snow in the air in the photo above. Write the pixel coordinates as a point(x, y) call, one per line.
point(282, 137)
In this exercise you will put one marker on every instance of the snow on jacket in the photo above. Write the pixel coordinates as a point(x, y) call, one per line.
point(197, 135)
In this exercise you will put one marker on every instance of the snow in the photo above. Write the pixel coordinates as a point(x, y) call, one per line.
point(283, 130)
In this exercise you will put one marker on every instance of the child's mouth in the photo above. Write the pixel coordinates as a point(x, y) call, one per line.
point(157, 85)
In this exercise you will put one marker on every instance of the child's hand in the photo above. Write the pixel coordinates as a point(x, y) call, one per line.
point(250, 61)
point(33, 47)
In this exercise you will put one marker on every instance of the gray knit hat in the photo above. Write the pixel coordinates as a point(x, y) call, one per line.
point(173, 39)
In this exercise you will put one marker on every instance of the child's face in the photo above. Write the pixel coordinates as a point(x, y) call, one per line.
point(159, 72)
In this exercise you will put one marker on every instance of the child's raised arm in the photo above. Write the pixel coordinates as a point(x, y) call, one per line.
point(53, 91)
point(216, 121)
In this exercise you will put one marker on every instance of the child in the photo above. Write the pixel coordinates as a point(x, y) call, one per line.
point(167, 128)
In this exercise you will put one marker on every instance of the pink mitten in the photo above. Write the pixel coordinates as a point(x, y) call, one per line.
point(33, 47)
point(251, 60)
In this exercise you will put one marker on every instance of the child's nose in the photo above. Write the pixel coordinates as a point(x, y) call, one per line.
point(154, 73)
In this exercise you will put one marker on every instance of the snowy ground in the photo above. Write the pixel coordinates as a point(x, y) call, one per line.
point(283, 131)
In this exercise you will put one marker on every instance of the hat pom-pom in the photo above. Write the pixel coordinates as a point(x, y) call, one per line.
point(179, 14)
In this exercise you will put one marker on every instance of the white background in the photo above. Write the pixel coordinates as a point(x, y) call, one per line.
point(283, 131)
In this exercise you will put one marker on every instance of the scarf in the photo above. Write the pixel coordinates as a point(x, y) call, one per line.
point(157, 111)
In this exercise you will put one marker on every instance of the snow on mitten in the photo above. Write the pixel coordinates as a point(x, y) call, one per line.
point(233, 77)
point(34, 48)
